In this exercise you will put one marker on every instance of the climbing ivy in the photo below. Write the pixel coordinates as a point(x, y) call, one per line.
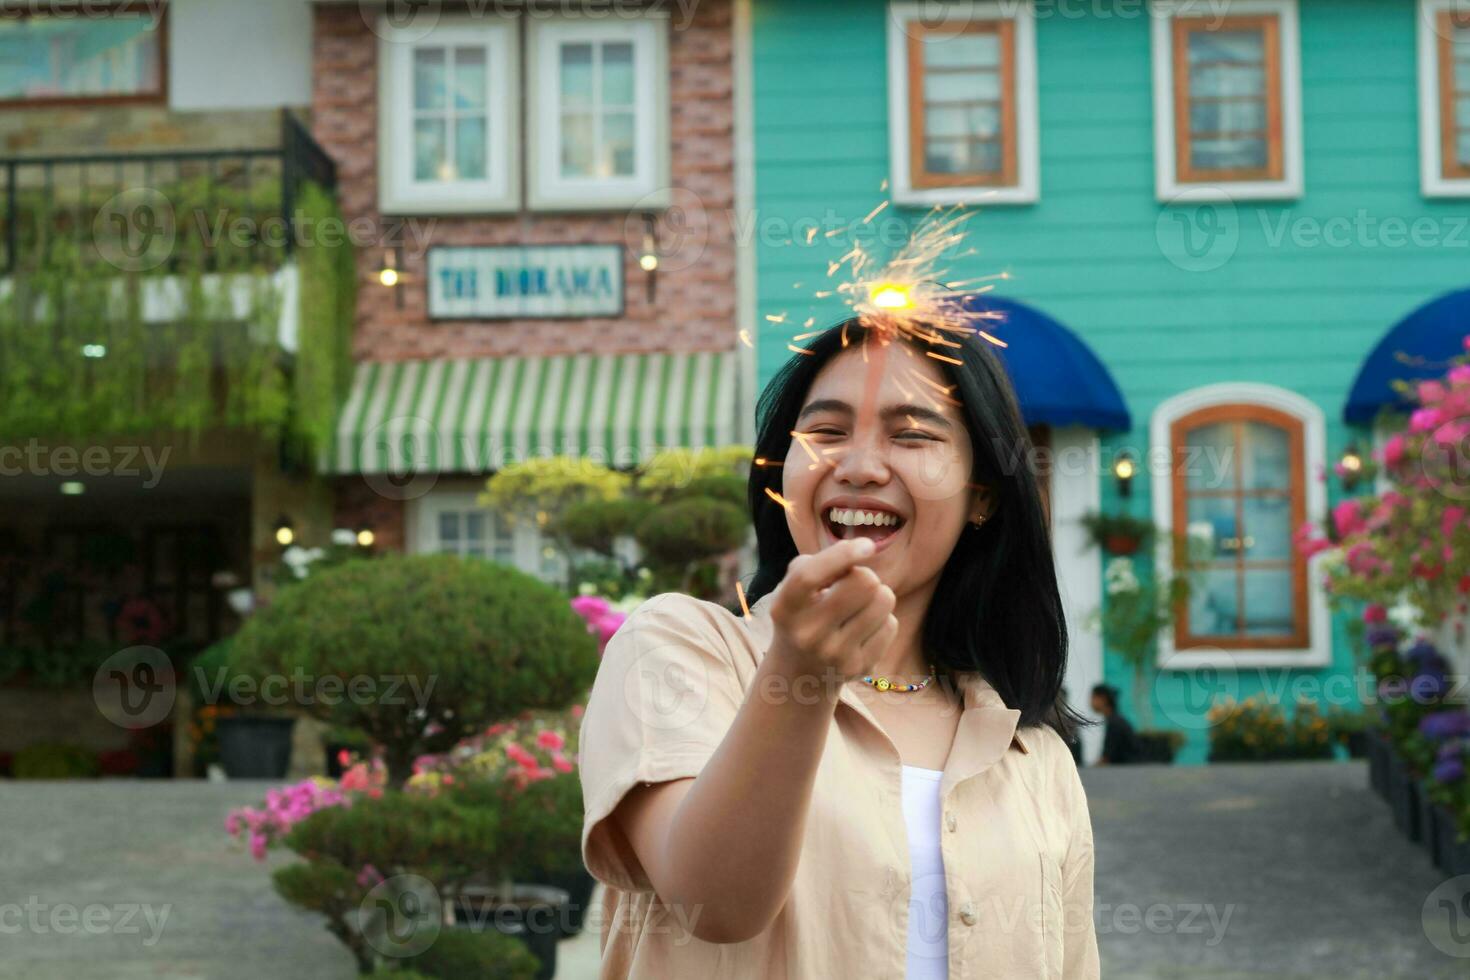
point(217, 363)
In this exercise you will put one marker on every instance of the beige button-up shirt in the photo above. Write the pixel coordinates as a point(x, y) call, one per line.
point(1016, 838)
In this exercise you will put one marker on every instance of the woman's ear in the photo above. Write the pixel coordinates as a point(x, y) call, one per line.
point(982, 503)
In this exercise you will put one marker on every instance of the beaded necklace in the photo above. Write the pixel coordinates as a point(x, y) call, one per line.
point(884, 684)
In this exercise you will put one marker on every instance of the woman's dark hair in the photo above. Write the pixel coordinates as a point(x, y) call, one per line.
point(996, 609)
point(1108, 693)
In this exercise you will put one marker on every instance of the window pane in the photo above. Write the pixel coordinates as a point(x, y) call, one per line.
point(617, 74)
point(617, 144)
point(576, 75)
point(1209, 457)
point(429, 162)
point(1268, 601)
point(1233, 48)
point(1247, 118)
point(1266, 452)
point(448, 526)
point(1462, 74)
point(941, 122)
point(1212, 519)
point(475, 526)
point(1216, 80)
point(1237, 154)
point(1462, 112)
point(577, 152)
point(952, 156)
point(1213, 602)
point(56, 57)
point(944, 50)
point(1462, 144)
point(1267, 526)
point(428, 78)
point(469, 78)
point(961, 86)
point(469, 147)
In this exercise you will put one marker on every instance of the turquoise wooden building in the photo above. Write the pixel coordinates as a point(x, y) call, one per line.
point(1232, 207)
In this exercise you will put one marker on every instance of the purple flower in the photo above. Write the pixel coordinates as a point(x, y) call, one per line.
point(1452, 748)
point(1445, 724)
point(1422, 650)
point(1449, 771)
point(1382, 635)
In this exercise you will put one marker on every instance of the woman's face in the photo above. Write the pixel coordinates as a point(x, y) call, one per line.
point(892, 461)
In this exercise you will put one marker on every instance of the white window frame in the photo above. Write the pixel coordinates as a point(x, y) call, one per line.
point(1432, 181)
point(423, 528)
point(648, 186)
point(1027, 189)
point(398, 191)
point(1314, 454)
point(1168, 186)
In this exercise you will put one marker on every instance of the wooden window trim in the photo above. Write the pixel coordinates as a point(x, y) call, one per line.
point(1005, 31)
point(141, 98)
point(1450, 166)
point(1270, 27)
point(1300, 635)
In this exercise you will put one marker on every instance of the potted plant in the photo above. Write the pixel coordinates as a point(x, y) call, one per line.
point(254, 742)
point(1118, 534)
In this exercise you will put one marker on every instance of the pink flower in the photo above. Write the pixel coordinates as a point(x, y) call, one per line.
point(550, 740)
point(560, 762)
point(590, 607)
point(577, 710)
point(1347, 517)
point(369, 876)
point(1424, 419)
point(1460, 374)
point(1375, 613)
point(1431, 392)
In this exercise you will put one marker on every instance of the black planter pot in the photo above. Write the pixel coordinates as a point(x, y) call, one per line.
point(255, 746)
point(1154, 748)
point(578, 886)
point(1378, 751)
point(1403, 798)
point(532, 914)
point(1452, 856)
point(1429, 818)
point(1356, 744)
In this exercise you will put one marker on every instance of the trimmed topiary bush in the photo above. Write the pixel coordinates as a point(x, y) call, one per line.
point(419, 651)
point(458, 954)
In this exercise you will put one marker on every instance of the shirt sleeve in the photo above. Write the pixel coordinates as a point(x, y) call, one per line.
point(665, 694)
point(1079, 933)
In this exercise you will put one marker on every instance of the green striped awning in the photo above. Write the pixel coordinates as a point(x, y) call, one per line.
point(447, 416)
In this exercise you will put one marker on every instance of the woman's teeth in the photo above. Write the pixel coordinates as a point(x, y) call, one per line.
point(862, 523)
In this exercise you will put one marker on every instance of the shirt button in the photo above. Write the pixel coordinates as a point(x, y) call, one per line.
point(967, 913)
point(950, 821)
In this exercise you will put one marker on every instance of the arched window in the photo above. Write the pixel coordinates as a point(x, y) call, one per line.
point(1238, 485)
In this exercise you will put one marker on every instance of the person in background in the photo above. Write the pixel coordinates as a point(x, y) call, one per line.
point(1120, 745)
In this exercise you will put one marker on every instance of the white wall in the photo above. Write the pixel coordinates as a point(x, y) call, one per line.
point(239, 54)
point(1074, 492)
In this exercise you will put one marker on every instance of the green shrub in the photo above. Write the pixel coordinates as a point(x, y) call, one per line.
point(449, 645)
point(54, 760)
point(594, 524)
point(1256, 730)
point(459, 954)
point(692, 530)
point(540, 824)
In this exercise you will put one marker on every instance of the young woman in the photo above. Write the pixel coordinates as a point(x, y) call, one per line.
point(862, 777)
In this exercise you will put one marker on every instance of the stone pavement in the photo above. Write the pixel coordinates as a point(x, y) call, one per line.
point(1213, 872)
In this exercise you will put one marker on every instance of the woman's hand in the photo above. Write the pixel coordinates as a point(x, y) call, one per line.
point(831, 614)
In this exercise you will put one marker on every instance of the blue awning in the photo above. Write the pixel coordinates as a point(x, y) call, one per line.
point(1058, 379)
point(1418, 348)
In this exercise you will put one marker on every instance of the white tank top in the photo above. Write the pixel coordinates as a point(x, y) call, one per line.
point(928, 945)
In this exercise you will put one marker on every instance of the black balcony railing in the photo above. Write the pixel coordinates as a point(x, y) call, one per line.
point(148, 210)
